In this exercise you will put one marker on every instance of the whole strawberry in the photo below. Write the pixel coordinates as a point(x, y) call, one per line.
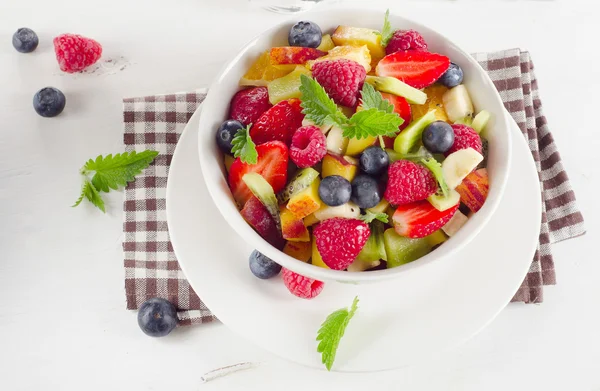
point(249, 104)
point(406, 40)
point(341, 79)
point(75, 53)
point(300, 286)
point(409, 182)
point(465, 137)
point(340, 240)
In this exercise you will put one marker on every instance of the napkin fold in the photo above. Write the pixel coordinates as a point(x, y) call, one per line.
point(155, 122)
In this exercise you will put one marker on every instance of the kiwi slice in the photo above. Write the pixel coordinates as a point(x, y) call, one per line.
point(394, 86)
point(374, 249)
point(442, 203)
point(481, 120)
point(264, 192)
point(410, 136)
point(403, 250)
point(301, 181)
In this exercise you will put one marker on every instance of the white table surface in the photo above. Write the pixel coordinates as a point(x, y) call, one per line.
point(63, 323)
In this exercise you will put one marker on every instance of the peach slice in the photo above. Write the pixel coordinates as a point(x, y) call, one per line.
point(292, 227)
point(474, 189)
point(299, 250)
point(358, 36)
point(293, 55)
point(344, 166)
point(306, 201)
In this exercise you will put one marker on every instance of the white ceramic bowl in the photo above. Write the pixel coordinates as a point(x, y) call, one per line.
point(216, 108)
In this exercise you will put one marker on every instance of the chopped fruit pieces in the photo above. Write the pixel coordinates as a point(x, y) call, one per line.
point(262, 72)
point(340, 240)
point(401, 250)
point(457, 103)
point(300, 286)
point(348, 210)
point(402, 108)
point(264, 192)
point(311, 220)
point(357, 36)
point(278, 123)
point(380, 207)
point(228, 160)
point(417, 69)
point(248, 105)
point(342, 80)
point(460, 164)
point(481, 120)
point(359, 54)
point(442, 203)
point(336, 142)
point(396, 87)
point(293, 55)
point(474, 189)
point(316, 257)
point(255, 213)
point(286, 87)
point(434, 101)
point(408, 182)
point(326, 43)
point(306, 201)
point(372, 252)
point(301, 181)
point(356, 146)
point(455, 224)
point(343, 166)
point(271, 165)
point(299, 250)
point(293, 228)
point(437, 238)
point(409, 137)
point(420, 219)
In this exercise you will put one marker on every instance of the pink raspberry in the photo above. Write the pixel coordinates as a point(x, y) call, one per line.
point(465, 137)
point(309, 146)
point(75, 53)
point(406, 40)
point(303, 287)
point(409, 182)
point(340, 240)
point(248, 105)
point(341, 79)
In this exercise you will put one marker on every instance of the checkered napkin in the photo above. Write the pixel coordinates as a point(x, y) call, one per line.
point(155, 122)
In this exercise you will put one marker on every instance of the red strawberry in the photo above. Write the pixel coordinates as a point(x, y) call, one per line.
point(341, 79)
point(420, 219)
point(340, 240)
point(465, 137)
point(401, 107)
point(278, 123)
point(257, 215)
point(272, 165)
point(75, 53)
point(415, 68)
point(406, 40)
point(409, 182)
point(249, 104)
point(303, 287)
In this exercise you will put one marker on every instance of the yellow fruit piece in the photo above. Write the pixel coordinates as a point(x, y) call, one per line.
point(344, 166)
point(228, 160)
point(262, 72)
point(438, 237)
point(326, 43)
point(316, 257)
point(293, 228)
point(356, 146)
point(286, 87)
point(310, 220)
point(434, 102)
point(305, 202)
point(360, 54)
point(381, 207)
point(302, 251)
point(358, 36)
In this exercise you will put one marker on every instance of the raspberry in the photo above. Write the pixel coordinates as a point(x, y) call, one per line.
point(465, 137)
point(341, 79)
point(248, 105)
point(406, 40)
point(409, 182)
point(303, 287)
point(308, 146)
point(340, 240)
point(75, 53)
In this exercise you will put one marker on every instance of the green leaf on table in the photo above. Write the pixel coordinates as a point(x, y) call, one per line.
point(113, 172)
point(331, 332)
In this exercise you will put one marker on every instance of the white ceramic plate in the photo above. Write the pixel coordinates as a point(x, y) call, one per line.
point(399, 322)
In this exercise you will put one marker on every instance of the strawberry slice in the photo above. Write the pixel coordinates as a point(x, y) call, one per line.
point(278, 123)
point(257, 215)
point(271, 164)
point(420, 219)
point(401, 107)
point(415, 68)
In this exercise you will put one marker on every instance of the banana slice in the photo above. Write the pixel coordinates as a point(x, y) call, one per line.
point(455, 224)
point(336, 142)
point(458, 165)
point(347, 210)
point(457, 103)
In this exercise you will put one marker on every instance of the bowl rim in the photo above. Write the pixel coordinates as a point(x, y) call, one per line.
point(247, 233)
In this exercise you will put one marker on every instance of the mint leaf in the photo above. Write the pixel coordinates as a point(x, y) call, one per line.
point(112, 172)
point(317, 106)
point(244, 147)
point(369, 216)
point(386, 30)
point(91, 194)
point(372, 99)
point(436, 170)
point(331, 332)
point(372, 123)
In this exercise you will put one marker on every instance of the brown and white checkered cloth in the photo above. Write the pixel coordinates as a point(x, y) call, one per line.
point(155, 122)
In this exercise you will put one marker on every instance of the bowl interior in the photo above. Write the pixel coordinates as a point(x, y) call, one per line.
point(216, 109)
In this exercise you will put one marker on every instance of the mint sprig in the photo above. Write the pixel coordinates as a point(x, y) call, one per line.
point(369, 217)
point(386, 31)
point(317, 106)
point(436, 169)
point(331, 332)
point(372, 99)
point(244, 147)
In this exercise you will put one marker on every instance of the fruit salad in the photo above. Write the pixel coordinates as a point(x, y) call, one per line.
point(353, 150)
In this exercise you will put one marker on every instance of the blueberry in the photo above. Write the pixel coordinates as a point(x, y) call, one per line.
point(366, 192)
point(262, 266)
point(25, 40)
point(226, 133)
point(335, 190)
point(374, 160)
point(306, 34)
point(452, 77)
point(438, 137)
point(157, 317)
point(49, 102)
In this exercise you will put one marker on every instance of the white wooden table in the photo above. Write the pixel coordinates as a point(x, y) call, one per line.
point(63, 323)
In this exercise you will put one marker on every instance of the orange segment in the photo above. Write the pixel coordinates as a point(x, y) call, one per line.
point(434, 102)
point(262, 72)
